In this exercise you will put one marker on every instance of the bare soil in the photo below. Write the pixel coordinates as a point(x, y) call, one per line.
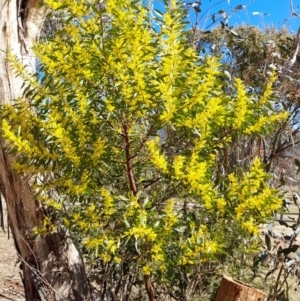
point(11, 287)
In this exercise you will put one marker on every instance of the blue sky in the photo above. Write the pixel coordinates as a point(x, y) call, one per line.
point(271, 12)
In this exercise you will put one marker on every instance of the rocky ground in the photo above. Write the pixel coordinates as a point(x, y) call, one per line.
point(11, 287)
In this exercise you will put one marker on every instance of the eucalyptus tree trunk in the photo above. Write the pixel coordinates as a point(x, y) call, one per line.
point(53, 269)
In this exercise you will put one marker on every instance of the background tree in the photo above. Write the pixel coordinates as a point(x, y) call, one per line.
point(252, 54)
point(50, 263)
point(124, 134)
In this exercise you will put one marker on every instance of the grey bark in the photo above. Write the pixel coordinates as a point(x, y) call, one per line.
point(53, 268)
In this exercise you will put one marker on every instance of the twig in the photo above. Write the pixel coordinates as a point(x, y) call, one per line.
point(36, 272)
point(292, 9)
point(36, 261)
point(1, 295)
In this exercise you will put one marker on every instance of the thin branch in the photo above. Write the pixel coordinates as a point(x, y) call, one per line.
point(293, 11)
point(282, 148)
point(152, 182)
point(37, 273)
point(36, 261)
point(1, 295)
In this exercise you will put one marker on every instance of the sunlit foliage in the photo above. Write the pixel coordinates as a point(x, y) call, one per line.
point(123, 130)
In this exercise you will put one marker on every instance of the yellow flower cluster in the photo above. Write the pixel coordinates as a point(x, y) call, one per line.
point(241, 106)
point(254, 200)
point(201, 247)
point(77, 7)
point(50, 202)
point(178, 166)
point(21, 144)
point(142, 232)
point(108, 203)
point(45, 228)
point(264, 122)
point(157, 158)
point(265, 97)
point(171, 216)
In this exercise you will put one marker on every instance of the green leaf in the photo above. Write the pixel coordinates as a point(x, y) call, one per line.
point(227, 74)
point(180, 229)
point(288, 250)
point(138, 195)
point(297, 230)
point(122, 198)
point(156, 224)
point(268, 241)
point(145, 203)
point(136, 246)
point(126, 222)
point(159, 13)
point(270, 229)
point(239, 7)
point(235, 34)
point(297, 256)
point(223, 24)
point(270, 272)
point(256, 261)
point(282, 223)
point(213, 17)
point(297, 162)
point(296, 198)
point(255, 265)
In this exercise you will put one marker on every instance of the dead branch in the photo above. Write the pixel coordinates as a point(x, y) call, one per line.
point(294, 58)
point(293, 11)
point(37, 274)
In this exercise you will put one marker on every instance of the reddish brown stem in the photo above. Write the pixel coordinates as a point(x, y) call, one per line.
point(148, 287)
point(129, 169)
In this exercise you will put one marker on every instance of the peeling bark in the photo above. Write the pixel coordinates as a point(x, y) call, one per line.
point(53, 268)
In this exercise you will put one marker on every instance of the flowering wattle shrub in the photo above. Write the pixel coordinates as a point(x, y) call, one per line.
point(124, 130)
